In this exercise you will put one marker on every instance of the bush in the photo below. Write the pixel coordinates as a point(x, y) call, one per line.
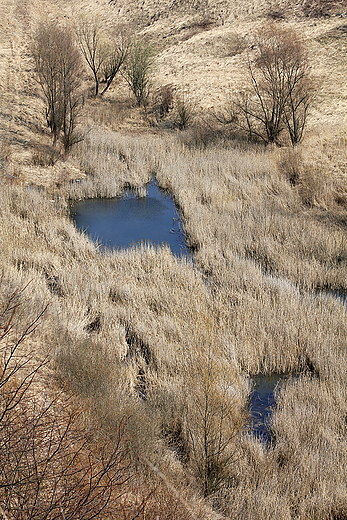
point(138, 71)
point(162, 102)
point(204, 133)
point(54, 463)
point(319, 183)
point(184, 112)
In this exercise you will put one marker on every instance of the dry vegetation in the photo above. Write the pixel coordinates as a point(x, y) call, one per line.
point(140, 366)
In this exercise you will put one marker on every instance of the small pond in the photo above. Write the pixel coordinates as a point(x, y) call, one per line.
point(262, 402)
point(123, 222)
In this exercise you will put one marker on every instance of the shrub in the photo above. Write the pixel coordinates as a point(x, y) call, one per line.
point(163, 99)
point(138, 71)
point(184, 112)
point(54, 462)
point(204, 133)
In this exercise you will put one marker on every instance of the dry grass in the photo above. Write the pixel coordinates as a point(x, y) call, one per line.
point(229, 193)
point(145, 324)
point(303, 475)
point(167, 343)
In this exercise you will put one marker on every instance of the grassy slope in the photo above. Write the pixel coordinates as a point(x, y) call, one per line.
point(262, 252)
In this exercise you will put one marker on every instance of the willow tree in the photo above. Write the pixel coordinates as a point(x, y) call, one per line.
point(138, 71)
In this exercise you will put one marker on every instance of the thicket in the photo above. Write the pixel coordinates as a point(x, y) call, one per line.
point(53, 463)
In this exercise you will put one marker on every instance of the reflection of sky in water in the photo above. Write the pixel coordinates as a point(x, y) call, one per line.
point(262, 402)
point(122, 222)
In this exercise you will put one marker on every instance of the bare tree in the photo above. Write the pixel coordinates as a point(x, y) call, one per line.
point(17, 369)
point(104, 55)
point(49, 468)
point(116, 58)
point(281, 90)
point(300, 97)
point(213, 425)
point(58, 71)
point(202, 422)
point(93, 47)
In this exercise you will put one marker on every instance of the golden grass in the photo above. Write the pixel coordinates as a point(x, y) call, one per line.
point(305, 471)
point(227, 193)
point(143, 334)
point(145, 323)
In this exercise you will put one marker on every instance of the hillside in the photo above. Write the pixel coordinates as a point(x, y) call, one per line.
point(125, 375)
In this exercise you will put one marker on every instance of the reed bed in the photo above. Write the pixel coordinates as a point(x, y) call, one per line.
point(168, 346)
point(303, 474)
point(152, 337)
point(233, 204)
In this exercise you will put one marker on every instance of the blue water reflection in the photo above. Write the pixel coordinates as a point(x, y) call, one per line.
point(125, 221)
point(262, 402)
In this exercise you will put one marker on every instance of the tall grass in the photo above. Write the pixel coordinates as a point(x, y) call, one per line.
point(234, 204)
point(303, 475)
point(168, 343)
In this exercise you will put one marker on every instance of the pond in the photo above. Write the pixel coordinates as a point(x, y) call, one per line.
point(123, 222)
point(262, 402)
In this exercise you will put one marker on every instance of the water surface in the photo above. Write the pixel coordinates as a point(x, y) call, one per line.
point(262, 402)
point(122, 222)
